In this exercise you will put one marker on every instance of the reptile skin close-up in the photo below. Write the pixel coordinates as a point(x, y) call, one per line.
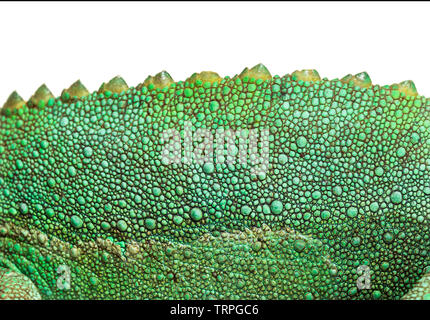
point(90, 207)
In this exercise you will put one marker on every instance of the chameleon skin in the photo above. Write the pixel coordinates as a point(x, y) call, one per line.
point(348, 184)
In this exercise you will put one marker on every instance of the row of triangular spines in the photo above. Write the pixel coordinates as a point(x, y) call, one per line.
point(163, 79)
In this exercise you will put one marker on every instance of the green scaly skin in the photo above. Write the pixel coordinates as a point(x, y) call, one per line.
point(83, 187)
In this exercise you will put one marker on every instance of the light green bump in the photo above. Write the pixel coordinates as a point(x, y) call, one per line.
point(208, 168)
point(301, 142)
point(276, 207)
point(396, 197)
point(76, 221)
point(122, 225)
point(246, 210)
point(401, 152)
point(188, 92)
point(352, 212)
point(150, 224)
point(196, 214)
point(88, 151)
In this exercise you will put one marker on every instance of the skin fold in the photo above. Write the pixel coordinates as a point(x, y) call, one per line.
point(90, 209)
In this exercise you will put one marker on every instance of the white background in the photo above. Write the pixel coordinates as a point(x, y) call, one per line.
point(57, 43)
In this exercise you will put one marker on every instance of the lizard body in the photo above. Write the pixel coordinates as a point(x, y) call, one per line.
point(89, 208)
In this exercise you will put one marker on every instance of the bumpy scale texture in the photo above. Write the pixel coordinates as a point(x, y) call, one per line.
point(83, 188)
